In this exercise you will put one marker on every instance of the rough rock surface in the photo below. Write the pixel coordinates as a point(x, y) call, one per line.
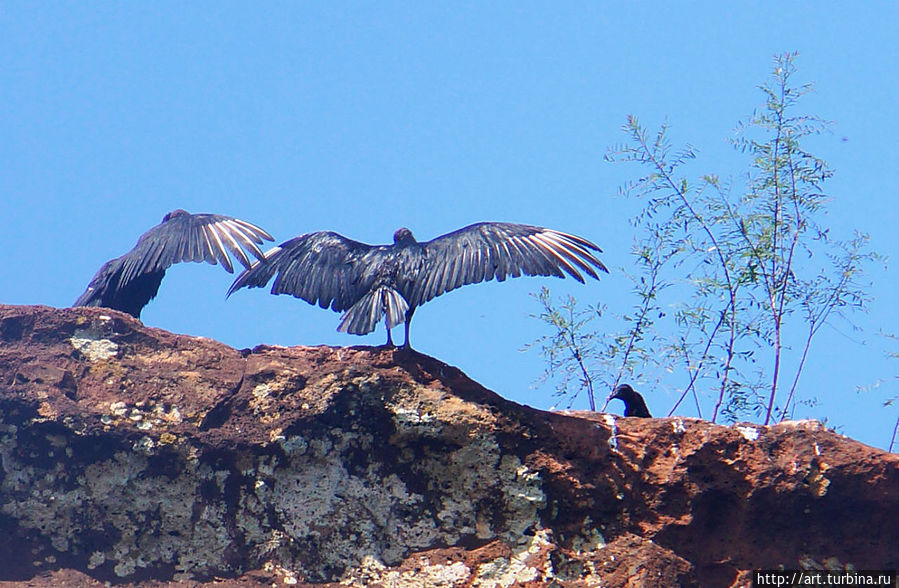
point(130, 455)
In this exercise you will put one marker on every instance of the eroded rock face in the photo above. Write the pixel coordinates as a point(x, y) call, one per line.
point(129, 454)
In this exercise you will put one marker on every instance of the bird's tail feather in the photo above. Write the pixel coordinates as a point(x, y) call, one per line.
point(364, 316)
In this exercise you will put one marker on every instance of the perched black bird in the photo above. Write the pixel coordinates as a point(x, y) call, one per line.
point(634, 405)
point(367, 282)
point(129, 282)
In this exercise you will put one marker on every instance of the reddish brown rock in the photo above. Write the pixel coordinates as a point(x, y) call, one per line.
point(134, 456)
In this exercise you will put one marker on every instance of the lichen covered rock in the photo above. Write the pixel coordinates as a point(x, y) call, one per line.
point(129, 455)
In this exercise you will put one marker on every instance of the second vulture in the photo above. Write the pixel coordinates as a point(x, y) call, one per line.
point(129, 282)
point(368, 282)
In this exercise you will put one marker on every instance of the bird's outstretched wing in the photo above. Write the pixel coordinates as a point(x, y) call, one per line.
point(322, 268)
point(196, 237)
point(130, 281)
point(484, 251)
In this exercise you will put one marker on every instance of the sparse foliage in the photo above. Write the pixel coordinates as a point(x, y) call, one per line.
point(728, 277)
point(570, 346)
point(892, 400)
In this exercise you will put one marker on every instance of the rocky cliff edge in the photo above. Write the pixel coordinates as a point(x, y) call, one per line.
point(133, 456)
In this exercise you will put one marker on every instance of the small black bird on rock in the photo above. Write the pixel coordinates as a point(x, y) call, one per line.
point(634, 405)
point(129, 282)
point(367, 282)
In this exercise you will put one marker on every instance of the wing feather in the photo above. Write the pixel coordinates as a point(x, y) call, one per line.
point(573, 252)
point(219, 251)
point(322, 268)
point(130, 281)
point(240, 242)
point(548, 262)
point(487, 251)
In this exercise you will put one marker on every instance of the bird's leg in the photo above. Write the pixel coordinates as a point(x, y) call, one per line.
point(409, 314)
point(389, 338)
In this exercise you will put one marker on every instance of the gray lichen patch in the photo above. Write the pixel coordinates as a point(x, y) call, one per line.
point(90, 344)
point(524, 495)
point(146, 520)
point(264, 407)
point(499, 498)
point(145, 416)
point(419, 411)
point(589, 540)
point(522, 568)
point(425, 575)
point(319, 500)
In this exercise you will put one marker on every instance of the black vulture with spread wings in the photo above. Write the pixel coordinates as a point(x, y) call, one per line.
point(367, 282)
point(129, 282)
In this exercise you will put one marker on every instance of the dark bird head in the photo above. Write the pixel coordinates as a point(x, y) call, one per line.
point(403, 236)
point(634, 405)
point(174, 214)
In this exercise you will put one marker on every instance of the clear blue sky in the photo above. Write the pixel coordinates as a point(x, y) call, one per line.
point(366, 116)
